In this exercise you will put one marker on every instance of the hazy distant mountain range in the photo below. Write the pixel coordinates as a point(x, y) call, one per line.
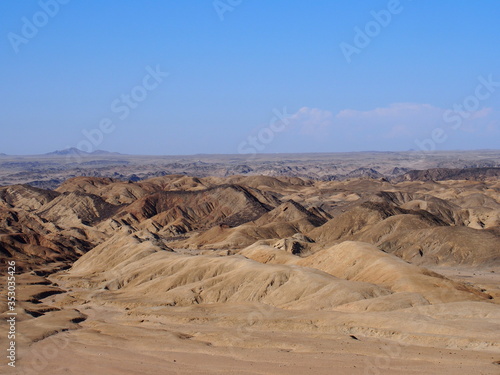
point(75, 151)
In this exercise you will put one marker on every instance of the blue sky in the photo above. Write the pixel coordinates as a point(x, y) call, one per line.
point(254, 76)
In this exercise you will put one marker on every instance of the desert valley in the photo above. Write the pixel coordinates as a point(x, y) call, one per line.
point(379, 268)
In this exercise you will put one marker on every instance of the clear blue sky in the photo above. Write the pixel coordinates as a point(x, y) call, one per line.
point(228, 77)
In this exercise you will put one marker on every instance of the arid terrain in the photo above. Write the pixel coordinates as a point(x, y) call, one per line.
point(366, 263)
point(50, 170)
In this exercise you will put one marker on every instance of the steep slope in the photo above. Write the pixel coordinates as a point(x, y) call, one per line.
point(178, 212)
point(25, 197)
point(363, 262)
point(31, 241)
point(286, 220)
point(353, 220)
point(76, 209)
point(293, 213)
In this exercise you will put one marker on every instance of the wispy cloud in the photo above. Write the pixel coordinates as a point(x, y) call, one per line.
point(312, 121)
point(393, 126)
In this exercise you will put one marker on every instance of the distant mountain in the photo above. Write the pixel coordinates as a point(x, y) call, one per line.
point(67, 151)
point(76, 151)
point(2, 154)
